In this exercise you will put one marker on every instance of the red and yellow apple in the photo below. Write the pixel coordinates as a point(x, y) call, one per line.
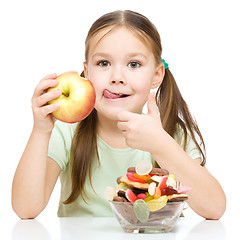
point(77, 99)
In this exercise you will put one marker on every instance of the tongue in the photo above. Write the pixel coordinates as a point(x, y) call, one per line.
point(110, 95)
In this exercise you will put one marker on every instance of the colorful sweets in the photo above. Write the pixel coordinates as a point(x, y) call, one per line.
point(147, 188)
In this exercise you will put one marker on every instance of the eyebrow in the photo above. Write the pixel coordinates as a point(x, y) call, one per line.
point(100, 54)
point(133, 54)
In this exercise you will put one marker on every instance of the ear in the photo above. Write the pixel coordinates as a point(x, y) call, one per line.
point(159, 75)
point(85, 69)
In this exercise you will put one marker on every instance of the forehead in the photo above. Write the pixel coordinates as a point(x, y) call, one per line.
point(127, 38)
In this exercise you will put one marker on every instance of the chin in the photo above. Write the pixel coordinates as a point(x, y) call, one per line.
point(109, 116)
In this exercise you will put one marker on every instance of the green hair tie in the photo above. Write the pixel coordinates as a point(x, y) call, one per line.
point(165, 64)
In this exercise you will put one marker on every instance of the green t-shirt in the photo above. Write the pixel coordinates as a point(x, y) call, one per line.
point(113, 163)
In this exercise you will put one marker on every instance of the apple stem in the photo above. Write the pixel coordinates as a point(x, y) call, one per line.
point(66, 94)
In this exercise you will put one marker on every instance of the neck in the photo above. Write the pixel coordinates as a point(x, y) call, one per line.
point(108, 131)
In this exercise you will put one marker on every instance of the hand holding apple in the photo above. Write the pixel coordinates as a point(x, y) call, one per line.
point(77, 99)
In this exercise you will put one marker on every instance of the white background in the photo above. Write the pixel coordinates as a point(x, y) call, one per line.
point(200, 42)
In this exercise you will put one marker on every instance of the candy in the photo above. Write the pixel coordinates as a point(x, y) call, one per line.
point(148, 197)
point(156, 178)
point(131, 197)
point(130, 176)
point(169, 191)
point(162, 184)
point(141, 210)
point(151, 188)
point(142, 177)
point(157, 204)
point(144, 167)
point(119, 199)
point(146, 189)
point(121, 193)
point(131, 169)
point(183, 189)
point(171, 176)
point(141, 196)
point(110, 193)
point(159, 172)
point(143, 186)
point(157, 193)
point(154, 171)
point(171, 182)
point(123, 187)
point(177, 197)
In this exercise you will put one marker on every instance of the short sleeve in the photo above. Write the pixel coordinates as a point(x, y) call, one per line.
point(60, 143)
point(191, 148)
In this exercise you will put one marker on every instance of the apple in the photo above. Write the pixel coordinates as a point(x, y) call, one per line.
point(77, 99)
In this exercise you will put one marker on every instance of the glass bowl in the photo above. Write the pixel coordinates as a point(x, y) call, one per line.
point(160, 221)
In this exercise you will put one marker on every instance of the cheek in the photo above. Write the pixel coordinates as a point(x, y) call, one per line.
point(99, 87)
point(142, 84)
point(96, 77)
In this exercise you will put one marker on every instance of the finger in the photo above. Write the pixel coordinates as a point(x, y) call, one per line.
point(152, 106)
point(122, 125)
point(53, 118)
point(49, 76)
point(125, 116)
point(46, 110)
point(44, 85)
point(46, 97)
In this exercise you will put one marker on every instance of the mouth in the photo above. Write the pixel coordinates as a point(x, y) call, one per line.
point(111, 95)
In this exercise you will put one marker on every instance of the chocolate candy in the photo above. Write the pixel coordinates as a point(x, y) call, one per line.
point(157, 171)
point(177, 197)
point(119, 199)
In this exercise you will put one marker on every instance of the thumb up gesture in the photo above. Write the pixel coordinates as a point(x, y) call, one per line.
point(152, 106)
point(141, 131)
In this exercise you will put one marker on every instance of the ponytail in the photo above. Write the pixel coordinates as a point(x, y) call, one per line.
point(84, 146)
point(174, 112)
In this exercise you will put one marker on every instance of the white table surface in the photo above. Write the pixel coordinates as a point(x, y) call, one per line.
point(190, 227)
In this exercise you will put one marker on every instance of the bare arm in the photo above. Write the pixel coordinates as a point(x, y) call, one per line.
point(36, 174)
point(207, 197)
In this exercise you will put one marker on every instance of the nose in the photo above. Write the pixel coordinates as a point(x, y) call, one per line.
point(117, 77)
point(118, 81)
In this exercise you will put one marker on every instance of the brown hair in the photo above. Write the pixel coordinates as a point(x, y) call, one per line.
point(173, 109)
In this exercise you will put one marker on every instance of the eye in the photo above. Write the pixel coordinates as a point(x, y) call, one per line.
point(103, 63)
point(134, 65)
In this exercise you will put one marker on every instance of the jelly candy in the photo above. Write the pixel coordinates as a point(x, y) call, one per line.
point(157, 193)
point(169, 191)
point(142, 177)
point(130, 176)
point(162, 184)
point(144, 167)
point(171, 176)
point(156, 178)
point(141, 210)
point(157, 204)
point(151, 188)
point(148, 197)
point(171, 182)
point(183, 189)
point(130, 195)
point(141, 196)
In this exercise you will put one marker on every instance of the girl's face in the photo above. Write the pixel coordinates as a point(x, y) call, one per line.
point(123, 70)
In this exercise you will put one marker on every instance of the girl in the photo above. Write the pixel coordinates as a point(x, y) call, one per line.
point(123, 61)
